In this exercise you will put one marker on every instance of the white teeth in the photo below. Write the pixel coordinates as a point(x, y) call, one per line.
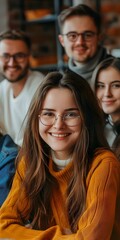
point(59, 135)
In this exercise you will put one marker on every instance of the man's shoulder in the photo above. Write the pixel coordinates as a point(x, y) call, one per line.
point(4, 88)
point(4, 83)
point(32, 83)
point(36, 75)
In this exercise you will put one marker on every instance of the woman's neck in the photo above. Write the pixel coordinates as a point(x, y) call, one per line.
point(114, 117)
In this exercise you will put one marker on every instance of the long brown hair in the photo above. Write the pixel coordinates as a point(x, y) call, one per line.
point(38, 182)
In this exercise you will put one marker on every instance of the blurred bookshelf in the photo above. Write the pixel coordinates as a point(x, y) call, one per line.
point(39, 19)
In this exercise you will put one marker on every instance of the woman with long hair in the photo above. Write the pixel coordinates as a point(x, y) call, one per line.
point(106, 85)
point(67, 181)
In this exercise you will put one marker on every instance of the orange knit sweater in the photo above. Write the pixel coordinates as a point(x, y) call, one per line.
point(100, 220)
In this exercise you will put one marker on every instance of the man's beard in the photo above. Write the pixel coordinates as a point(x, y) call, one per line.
point(20, 77)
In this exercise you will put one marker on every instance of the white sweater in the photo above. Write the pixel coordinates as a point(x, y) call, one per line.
point(13, 110)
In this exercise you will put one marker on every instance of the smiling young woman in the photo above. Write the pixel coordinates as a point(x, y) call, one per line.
point(106, 85)
point(66, 174)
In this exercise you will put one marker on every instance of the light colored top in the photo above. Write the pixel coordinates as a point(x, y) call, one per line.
point(60, 164)
point(13, 110)
point(110, 134)
point(99, 221)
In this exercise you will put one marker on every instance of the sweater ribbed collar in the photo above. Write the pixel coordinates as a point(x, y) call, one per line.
point(62, 175)
point(60, 164)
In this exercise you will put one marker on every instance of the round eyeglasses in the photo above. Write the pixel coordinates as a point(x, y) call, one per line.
point(69, 118)
point(18, 57)
point(86, 36)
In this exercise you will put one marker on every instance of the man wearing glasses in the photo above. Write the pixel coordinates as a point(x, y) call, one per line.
point(80, 35)
point(19, 85)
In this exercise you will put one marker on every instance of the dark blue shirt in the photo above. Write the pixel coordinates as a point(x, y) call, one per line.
point(8, 153)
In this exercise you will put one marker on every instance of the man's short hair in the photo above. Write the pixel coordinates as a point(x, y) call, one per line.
point(16, 35)
point(79, 10)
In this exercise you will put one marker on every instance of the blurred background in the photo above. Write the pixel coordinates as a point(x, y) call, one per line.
point(39, 19)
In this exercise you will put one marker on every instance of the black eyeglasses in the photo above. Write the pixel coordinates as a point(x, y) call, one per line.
point(18, 57)
point(69, 118)
point(86, 36)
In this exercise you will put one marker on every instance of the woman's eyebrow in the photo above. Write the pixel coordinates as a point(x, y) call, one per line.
point(71, 109)
point(115, 81)
point(67, 109)
point(48, 109)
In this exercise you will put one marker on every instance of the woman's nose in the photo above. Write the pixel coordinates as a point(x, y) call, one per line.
point(107, 91)
point(58, 123)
